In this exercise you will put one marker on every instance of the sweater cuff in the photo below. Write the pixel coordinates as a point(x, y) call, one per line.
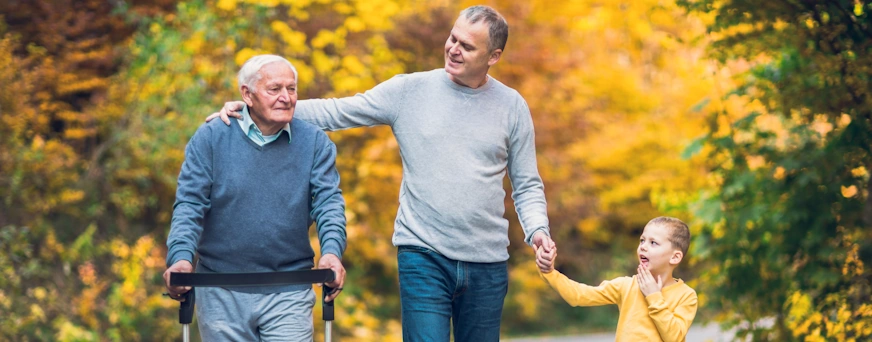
point(548, 276)
point(653, 298)
point(180, 255)
point(331, 246)
point(543, 229)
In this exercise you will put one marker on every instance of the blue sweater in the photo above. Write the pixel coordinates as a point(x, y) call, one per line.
point(248, 208)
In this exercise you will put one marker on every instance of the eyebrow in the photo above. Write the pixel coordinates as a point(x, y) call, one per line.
point(272, 84)
point(465, 44)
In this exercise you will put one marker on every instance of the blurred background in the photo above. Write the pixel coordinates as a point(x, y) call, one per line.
point(748, 120)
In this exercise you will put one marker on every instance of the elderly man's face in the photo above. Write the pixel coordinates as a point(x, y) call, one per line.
point(274, 98)
point(467, 58)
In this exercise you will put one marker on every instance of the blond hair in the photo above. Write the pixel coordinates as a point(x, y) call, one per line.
point(679, 233)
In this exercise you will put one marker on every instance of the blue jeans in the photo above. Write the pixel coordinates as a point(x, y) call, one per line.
point(436, 291)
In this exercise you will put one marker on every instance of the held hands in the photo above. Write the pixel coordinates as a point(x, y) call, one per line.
point(545, 260)
point(175, 292)
point(232, 108)
point(332, 262)
point(546, 251)
point(646, 281)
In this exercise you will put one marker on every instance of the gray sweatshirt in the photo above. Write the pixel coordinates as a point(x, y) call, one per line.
point(456, 144)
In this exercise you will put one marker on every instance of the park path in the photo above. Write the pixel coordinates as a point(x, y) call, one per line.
point(697, 333)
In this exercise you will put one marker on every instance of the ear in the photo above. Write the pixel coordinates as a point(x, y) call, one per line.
point(676, 257)
point(247, 95)
point(494, 57)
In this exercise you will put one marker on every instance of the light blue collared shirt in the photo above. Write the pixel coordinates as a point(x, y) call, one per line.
point(252, 132)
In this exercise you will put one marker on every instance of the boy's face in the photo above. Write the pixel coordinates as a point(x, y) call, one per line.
point(655, 251)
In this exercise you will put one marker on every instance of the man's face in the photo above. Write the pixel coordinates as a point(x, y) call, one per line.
point(467, 58)
point(655, 250)
point(274, 98)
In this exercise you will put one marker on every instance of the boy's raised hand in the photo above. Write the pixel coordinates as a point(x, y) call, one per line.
point(545, 260)
point(646, 281)
point(232, 108)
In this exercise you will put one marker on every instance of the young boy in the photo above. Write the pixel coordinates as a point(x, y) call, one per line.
point(653, 305)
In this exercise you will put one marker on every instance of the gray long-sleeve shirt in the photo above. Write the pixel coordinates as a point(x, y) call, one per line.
point(456, 144)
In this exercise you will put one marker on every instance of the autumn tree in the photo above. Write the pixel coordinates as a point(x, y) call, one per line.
point(786, 225)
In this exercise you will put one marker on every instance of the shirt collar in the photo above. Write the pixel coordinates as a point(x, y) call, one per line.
point(245, 122)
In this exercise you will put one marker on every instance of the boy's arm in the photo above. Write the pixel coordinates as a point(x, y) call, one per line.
point(578, 294)
point(672, 325)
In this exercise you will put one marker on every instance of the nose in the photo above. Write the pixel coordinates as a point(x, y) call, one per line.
point(284, 95)
point(454, 49)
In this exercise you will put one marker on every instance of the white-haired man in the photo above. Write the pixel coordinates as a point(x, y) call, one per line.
point(247, 194)
point(459, 132)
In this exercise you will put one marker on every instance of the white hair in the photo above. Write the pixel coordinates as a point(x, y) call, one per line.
point(249, 74)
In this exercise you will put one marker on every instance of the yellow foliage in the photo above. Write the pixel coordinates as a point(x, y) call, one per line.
point(354, 24)
point(323, 38)
point(37, 313)
point(849, 191)
point(779, 173)
point(69, 332)
point(322, 63)
point(755, 162)
point(245, 54)
point(844, 120)
point(79, 133)
point(194, 43)
point(296, 41)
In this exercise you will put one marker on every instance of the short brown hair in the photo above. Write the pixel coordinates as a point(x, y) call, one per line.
point(498, 28)
point(679, 232)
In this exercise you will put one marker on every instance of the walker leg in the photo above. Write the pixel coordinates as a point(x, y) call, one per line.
point(327, 313)
point(186, 314)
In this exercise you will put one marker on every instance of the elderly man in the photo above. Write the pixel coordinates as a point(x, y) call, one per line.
point(246, 197)
point(459, 132)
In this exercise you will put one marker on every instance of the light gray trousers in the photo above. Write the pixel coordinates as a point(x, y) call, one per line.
point(224, 315)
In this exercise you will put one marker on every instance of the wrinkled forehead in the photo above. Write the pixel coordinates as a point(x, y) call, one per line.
point(473, 33)
point(277, 72)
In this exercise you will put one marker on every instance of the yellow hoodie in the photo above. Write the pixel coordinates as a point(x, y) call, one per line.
point(662, 316)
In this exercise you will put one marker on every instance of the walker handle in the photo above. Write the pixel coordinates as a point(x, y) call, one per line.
point(186, 308)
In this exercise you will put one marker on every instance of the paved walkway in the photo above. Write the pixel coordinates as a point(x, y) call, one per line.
point(706, 333)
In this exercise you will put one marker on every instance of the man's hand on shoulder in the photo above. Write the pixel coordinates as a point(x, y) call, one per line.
point(232, 108)
point(332, 262)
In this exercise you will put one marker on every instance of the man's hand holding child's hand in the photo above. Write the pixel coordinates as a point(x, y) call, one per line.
point(545, 260)
point(646, 281)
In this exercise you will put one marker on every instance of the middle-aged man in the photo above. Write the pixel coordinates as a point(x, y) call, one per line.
point(246, 197)
point(459, 131)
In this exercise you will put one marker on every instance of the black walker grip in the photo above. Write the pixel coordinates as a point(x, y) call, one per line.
point(326, 307)
point(186, 308)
